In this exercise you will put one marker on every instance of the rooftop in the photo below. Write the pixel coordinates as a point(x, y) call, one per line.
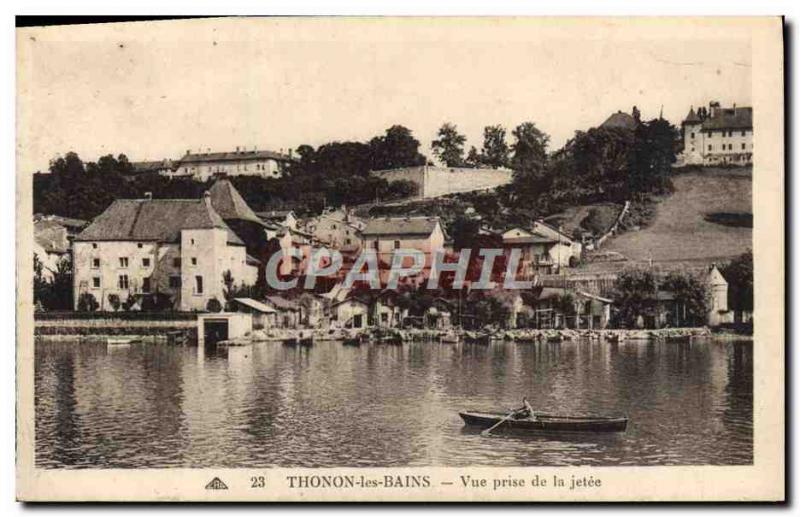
point(620, 120)
point(401, 226)
point(229, 204)
point(159, 220)
point(235, 156)
point(730, 118)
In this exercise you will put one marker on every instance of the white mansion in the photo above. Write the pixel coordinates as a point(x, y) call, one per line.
point(718, 136)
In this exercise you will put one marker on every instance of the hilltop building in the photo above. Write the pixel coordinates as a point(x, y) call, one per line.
point(441, 181)
point(178, 248)
point(202, 166)
point(718, 136)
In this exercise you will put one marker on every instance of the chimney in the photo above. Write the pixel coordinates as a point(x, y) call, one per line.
point(713, 108)
point(188, 151)
point(237, 149)
point(148, 196)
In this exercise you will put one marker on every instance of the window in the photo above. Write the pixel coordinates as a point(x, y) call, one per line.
point(122, 282)
point(377, 244)
point(175, 282)
point(139, 245)
point(692, 135)
point(397, 245)
point(333, 227)
point(176, 262)
point(146, 262)
point(123, 262)
point(710, 147)
point(192, 241)
point(96, 261)
point(94, 245)
point(743, 146)
point(198, 284)
point(96, 282)
point(194, 261)
point(743, 133)
point(146, 284)
point(348, 241)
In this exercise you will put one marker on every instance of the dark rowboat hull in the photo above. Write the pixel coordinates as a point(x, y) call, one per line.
point(547, 423)
point(307, 342)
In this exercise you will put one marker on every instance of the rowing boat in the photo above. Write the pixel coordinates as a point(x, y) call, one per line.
point(122, 341)
point(546, 423)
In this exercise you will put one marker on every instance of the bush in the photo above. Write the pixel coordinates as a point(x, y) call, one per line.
point(214, 305)
point(87, 303)
point(114, 301)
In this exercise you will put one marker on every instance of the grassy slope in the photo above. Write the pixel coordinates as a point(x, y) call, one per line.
point(680, 232)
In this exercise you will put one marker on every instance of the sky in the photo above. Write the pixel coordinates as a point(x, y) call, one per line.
point(154, 90)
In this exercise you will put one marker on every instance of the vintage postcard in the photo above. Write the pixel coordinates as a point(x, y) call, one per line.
point(401, 259)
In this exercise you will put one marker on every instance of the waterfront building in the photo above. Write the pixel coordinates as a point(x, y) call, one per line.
point(177, 248)
point(556, 307)
point(441, 181)
point(544, 249)
point(288, 312)
point(204, 165)
point(351, 312)
point(263, 315)
point(718, 136)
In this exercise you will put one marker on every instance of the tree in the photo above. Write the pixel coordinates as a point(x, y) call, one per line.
point(655, 146)
point(474, 158)
point(213, 305)
point(69, 165)
point(635, 296)
point(464, 232)
point(114, 301)
point(529, 150)
point(691, 294)
point(739, 274)
point(401, 189)
point(87, 303)
point(397, 148)
point(449, 147)
point(495, 149)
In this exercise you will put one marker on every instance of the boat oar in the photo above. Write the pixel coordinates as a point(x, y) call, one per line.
point(487, 431)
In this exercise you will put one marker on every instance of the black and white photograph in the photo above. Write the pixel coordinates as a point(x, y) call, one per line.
point(270, 244)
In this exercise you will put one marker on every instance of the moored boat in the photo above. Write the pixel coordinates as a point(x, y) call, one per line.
point(352, 341)
point(122, 341)
point(545, 423)
point(292, 342)
point(306, 341)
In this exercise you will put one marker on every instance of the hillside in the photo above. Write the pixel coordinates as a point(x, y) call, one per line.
point(707, 219)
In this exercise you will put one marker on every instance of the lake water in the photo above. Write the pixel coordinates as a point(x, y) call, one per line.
point(151, 405)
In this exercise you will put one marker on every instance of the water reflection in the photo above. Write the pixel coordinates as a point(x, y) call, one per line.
point(267, 405)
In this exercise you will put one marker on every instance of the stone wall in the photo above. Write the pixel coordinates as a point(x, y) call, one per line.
point(441, 181)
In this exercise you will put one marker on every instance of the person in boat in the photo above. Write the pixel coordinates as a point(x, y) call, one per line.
point(526, 411)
